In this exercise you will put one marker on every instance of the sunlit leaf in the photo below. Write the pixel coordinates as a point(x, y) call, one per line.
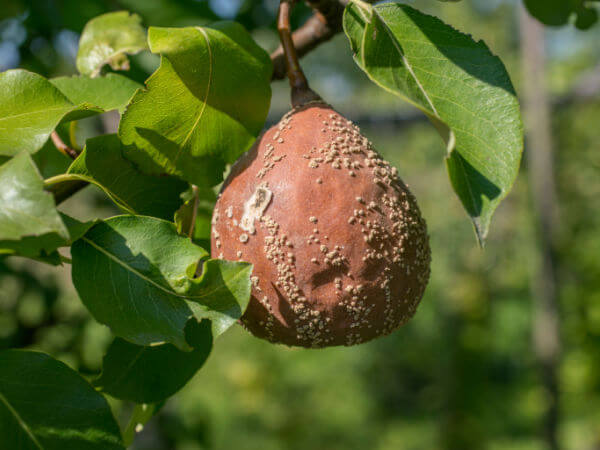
point(108, 39)
point(459, 84)
point(112, 91)
point(30, 225)
point(136, 275)
point(203, 107)
point(30, 109)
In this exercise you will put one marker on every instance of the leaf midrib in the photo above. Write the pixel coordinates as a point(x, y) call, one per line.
point(130, 365)
point(73, 176)
point(405, 61)
point(205, 100)
point(362, 63)
point(68, 108)
point(152, 282)
point(20, 421)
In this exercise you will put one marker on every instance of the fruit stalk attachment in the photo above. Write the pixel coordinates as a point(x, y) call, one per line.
point(301, 92)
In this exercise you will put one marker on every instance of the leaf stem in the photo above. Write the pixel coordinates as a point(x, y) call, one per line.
point(301, 92)
point(62, 147)
point(63, 177)
point(139, 417)
point(64, 186)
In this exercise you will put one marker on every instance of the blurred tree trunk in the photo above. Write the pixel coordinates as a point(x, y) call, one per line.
point(546, 333)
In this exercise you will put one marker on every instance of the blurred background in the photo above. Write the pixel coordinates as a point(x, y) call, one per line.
point(504, 351)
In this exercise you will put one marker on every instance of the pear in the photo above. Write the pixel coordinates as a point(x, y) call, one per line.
point(340, 251)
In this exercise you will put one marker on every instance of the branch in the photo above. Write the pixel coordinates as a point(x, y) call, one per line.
point(62, 147)
point(61, 192)
point(325, 23)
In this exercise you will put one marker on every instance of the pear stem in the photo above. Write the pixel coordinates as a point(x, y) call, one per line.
point(301, 92)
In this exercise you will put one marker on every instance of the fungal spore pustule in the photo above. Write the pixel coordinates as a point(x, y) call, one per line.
point(340, 250)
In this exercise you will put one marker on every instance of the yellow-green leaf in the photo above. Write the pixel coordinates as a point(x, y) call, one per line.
point(108, 39)
point(203, 107)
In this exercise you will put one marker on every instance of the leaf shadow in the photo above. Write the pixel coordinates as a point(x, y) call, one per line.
point(243, 162)
point(459, 49)
point(207, 167)
point(224, 303)
point(152, 316)
point(478, 188)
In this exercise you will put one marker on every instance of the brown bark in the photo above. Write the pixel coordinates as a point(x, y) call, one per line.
point(325, 23)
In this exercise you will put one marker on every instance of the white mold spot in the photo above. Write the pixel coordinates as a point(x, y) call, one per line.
point(255, 207)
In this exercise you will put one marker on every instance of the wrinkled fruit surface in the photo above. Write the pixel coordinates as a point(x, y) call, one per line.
point(340, 251)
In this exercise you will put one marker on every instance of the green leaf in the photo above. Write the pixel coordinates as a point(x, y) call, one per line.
point(29, 222)
point(102, 164)
point(46, 405)
point(586, 18)
point(30, 225)
point(29, 246)
point(203, 107)
point(149, 374)
point(457, 82)
point(49, 161)
point(76, 228)
point(202, 226)
point(140, 415)
point(30, 109)
point(110, 92)
point(107, 39)
point(560, 12)
point(136, 275)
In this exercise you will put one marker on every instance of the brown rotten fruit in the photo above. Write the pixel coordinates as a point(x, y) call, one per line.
point(340, 250)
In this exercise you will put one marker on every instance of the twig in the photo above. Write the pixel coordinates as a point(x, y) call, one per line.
point(301, 92)
point(325, 23)
point(62, 147)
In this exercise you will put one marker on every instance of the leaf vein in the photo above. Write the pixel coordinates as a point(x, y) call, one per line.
point(20, 420)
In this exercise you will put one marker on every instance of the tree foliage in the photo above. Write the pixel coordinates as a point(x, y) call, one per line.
point(147, 275)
